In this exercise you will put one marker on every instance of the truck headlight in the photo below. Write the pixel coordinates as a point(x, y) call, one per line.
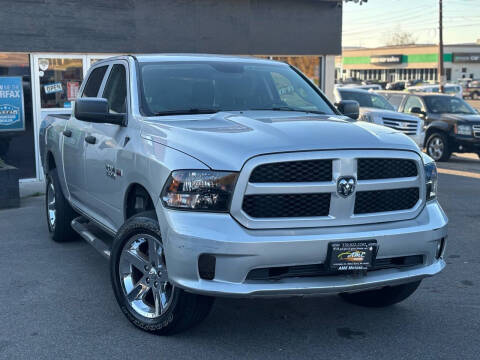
point(202, 190)
point(431, 179)
point(463, 129)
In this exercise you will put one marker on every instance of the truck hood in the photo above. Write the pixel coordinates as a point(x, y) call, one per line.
point(226, 140)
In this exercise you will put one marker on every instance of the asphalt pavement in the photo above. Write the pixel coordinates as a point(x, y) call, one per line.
point(57, 303)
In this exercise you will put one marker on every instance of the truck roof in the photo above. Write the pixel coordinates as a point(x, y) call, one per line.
point(196, 57)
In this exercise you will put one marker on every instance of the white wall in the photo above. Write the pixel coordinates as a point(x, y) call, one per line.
point(329, 76)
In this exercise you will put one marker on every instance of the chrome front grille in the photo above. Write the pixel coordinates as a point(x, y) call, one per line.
point(389, 187)
point(408, 127)
point(476, 130)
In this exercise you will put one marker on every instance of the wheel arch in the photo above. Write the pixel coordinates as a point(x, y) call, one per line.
point(50, 162)
point(137, 199)
point(436, 126)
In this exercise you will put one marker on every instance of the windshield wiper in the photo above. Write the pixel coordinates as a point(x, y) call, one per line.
point(187, 112)
point(287, 108)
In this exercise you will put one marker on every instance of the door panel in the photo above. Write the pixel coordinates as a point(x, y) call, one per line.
point(104, 180)
point(74, 157)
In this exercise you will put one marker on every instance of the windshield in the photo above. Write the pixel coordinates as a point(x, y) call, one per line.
point(447, 104)
point(367, 99)
point(208, 87)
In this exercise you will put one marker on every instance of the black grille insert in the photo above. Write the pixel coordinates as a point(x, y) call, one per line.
point(385, 168)
point(287, 205)
point(293, 171)
point(385, 200)
point(278, 273)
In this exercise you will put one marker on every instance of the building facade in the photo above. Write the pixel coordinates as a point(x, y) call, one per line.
point(395, 63)
point(47, 47)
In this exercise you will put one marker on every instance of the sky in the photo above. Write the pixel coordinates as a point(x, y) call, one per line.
point(370, 24)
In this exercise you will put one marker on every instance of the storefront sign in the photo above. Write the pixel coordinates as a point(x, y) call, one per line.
point(466, 57)
point(53, 88)
point(385, 59)
point(12, 116)
point(72, 89)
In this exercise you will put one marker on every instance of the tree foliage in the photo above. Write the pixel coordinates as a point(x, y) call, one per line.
point(399, 37)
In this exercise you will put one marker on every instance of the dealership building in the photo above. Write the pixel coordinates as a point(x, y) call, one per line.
point(394, 63)
point(46, 48)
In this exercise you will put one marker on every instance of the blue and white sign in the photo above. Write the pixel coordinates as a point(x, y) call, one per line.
point(12, 115)
point(53, 88)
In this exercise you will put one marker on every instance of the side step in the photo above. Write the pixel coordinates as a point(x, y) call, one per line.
point(96, 237)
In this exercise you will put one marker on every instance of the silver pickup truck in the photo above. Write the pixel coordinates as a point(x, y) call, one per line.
point(202, 176)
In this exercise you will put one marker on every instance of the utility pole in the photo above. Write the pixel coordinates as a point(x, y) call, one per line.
point(440, 70)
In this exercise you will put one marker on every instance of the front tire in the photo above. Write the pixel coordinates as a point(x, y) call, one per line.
point(383, 297)
point(59, 212)
point(438, 147)
point(139, 277)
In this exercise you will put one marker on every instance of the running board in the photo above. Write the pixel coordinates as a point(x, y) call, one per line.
point(96, 237)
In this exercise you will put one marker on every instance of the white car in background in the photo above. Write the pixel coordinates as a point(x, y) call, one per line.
point(451, 89)
point(364, 87)
point(376, 109)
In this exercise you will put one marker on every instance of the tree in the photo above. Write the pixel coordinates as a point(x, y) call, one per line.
point(399, 37)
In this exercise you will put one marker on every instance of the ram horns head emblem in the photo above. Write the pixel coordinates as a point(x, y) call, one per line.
point(346, 186)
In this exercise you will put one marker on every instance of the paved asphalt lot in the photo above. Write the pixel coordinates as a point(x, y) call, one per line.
point(57, 302)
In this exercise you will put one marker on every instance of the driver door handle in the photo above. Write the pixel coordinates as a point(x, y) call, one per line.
point(67, 133)
point(90, 139)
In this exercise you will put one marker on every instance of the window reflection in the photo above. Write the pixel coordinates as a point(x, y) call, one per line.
point(17, 147)
point(60, 80)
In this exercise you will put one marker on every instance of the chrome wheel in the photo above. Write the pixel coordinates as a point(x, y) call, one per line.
point(144, 277)
point(436, 147)
point(51, 208)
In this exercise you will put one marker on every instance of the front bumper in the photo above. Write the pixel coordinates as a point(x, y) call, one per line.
point(468, 143)
point(187, 235)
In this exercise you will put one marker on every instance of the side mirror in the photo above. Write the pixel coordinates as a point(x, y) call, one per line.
point(96, 110)
point(349, 108)
point(417, 110)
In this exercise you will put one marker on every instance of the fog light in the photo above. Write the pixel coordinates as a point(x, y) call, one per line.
point(440, 248)
point(206, 266)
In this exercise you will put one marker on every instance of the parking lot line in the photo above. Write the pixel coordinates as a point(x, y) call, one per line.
point(459, 173)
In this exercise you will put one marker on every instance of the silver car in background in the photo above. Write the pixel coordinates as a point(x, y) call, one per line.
point(376, 109)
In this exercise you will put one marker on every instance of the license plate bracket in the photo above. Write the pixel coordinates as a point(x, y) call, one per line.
point(351, 256)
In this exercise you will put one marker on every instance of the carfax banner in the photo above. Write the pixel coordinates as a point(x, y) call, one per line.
point(12, 116)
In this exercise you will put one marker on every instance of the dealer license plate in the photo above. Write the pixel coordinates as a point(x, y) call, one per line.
point(351, 256)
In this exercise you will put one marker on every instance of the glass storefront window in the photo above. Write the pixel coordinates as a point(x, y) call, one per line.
point(16, 129)
point(309, 65)
point(60, 80)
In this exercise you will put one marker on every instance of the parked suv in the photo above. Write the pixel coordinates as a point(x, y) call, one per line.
point(452, 125)
point(199, 176)
point(376, 109)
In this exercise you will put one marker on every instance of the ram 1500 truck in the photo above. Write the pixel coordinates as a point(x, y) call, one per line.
point(203, 176)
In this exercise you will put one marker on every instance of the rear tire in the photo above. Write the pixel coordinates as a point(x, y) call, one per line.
point(141, 286)
point(438, 147)
point(59, 212)
point(385, 296)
